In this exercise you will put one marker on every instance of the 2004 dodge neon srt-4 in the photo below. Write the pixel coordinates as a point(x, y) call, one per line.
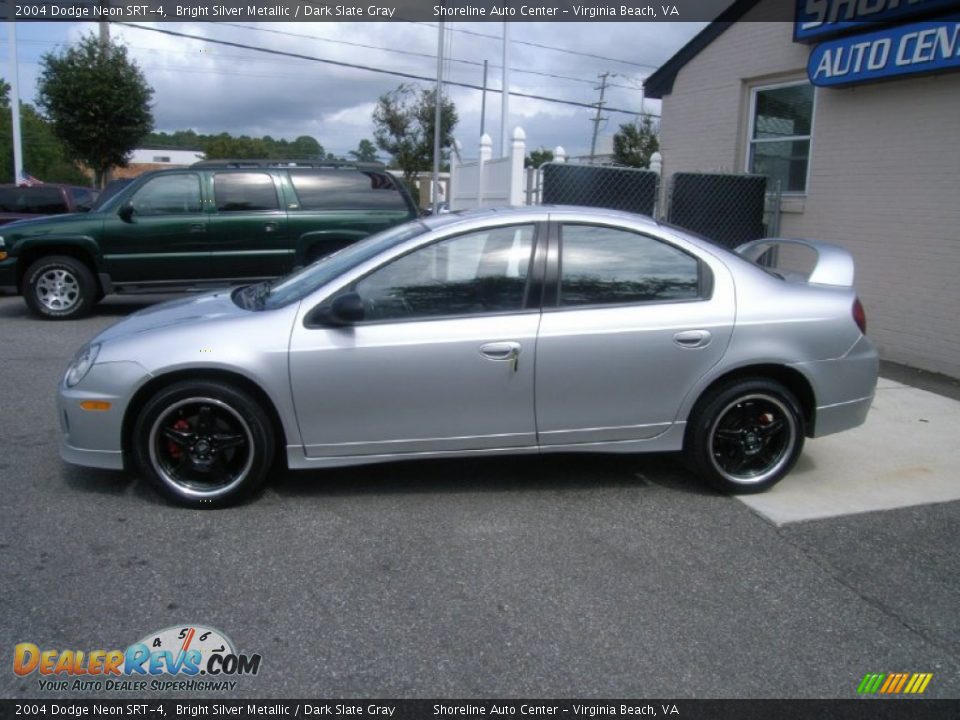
point(533, 330)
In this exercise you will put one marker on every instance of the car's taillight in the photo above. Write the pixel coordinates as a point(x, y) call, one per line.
point(859, 316)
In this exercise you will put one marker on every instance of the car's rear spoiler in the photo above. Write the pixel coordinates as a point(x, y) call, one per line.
point(834, 264)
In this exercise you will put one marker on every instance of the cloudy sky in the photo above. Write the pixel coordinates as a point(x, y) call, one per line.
point(213, 88)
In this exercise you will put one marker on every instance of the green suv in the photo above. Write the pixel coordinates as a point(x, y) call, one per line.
point(215, 223)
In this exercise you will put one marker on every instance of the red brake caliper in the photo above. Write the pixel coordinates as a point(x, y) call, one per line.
point(175, 450)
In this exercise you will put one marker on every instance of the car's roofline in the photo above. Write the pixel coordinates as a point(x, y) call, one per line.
point(535, 213)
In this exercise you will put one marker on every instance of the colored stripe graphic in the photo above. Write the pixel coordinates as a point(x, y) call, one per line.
point(894, 683)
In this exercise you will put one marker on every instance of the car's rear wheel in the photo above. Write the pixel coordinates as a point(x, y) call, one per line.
point(59, 287)
point(204, 444)
point(745, 436)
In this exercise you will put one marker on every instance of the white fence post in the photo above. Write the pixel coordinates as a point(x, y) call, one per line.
point(559, 154)
point(656, 163)
point(486, 152)
point(518, 151)
point(455, 162)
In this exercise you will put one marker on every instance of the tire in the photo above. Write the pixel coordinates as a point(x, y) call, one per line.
point(59, 287)
point(203, 444)
point(745, 436)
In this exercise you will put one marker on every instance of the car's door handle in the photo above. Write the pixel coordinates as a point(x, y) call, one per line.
point(692, 338)
point(198, 227)
point(270, 227)
point(502, 351)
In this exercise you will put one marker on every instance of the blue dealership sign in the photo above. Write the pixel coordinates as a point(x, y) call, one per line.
point(818, 19)
point(921, 47)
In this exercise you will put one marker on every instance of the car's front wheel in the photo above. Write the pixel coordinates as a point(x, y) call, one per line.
point(59, 287)
point(203, 444)
point(745, 436)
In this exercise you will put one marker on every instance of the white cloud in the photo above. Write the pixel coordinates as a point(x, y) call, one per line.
point(214, 88)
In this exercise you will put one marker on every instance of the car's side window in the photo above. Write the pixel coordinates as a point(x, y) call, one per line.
point(339, 189)
point(475, 273)
point(606, 266)
point(244, 192)
point(168, 195)
point(83, 198)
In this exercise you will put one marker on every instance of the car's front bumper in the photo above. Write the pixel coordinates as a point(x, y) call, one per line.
point(94, 438)
point(8, 275)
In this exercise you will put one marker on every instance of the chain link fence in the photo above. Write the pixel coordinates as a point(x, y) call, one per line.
point(617, 188)
point(728, 208)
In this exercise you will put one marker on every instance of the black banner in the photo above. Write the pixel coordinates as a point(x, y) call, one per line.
point(865, 709)
point(385, 10)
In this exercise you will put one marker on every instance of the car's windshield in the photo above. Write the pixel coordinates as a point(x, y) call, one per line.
point(300, 284)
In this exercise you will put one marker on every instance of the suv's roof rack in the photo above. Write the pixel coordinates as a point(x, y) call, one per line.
point(292, 164)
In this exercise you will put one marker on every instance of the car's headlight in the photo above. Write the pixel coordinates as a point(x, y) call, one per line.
point(81, 364)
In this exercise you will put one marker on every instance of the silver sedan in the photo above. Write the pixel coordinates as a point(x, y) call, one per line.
point(536, 330)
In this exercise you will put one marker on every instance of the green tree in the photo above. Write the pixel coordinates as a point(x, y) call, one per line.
point(634, 143)
point(403, 122)
point(366, 152)
point(538, 157)
point(98, 102)
point(306, 148)
point(44, 156)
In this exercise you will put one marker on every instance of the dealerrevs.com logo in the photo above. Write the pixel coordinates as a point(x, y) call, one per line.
point(179, 658)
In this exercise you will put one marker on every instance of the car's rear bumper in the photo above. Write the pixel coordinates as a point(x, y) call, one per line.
point(843, 388)
point(842, 416)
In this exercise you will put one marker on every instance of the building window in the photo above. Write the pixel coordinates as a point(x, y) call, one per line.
point(781, 122)
point(161, 158)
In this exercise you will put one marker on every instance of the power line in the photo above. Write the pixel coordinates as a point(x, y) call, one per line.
point(413, 53)
point(368, 68)
point(541, 46)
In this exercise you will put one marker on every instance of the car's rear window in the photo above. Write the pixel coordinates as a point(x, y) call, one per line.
point(346, 190)
point(32, 200)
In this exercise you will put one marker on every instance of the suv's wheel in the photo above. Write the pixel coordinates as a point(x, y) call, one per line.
point(744, 437)
point(203, 444)
point(59, 287)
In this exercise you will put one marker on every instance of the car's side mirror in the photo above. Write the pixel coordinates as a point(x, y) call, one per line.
point(126, 212)
point(346, 309)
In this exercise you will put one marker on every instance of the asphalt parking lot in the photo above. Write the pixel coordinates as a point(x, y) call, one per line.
point(575, 576)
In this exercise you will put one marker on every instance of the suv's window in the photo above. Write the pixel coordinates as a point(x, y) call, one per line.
point(83, 198)
point(481, 272)
point(244, 192)
point(168, 195)
point(346, 189)
point(602, 266)
point(32, 200)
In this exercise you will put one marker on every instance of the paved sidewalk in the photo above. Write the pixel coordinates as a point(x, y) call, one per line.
point(907, 453)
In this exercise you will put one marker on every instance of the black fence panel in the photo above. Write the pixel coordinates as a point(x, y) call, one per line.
point(728, 209)
point(627, 189)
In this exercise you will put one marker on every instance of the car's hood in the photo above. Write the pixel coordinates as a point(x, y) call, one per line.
point(208, 307)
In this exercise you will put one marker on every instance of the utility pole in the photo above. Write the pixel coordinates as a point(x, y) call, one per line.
point(597, 120)
point(104, 46)
point(15, 103)
point(104, 25)
point(483, 99)
point(437, 115)
point(505, 93)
